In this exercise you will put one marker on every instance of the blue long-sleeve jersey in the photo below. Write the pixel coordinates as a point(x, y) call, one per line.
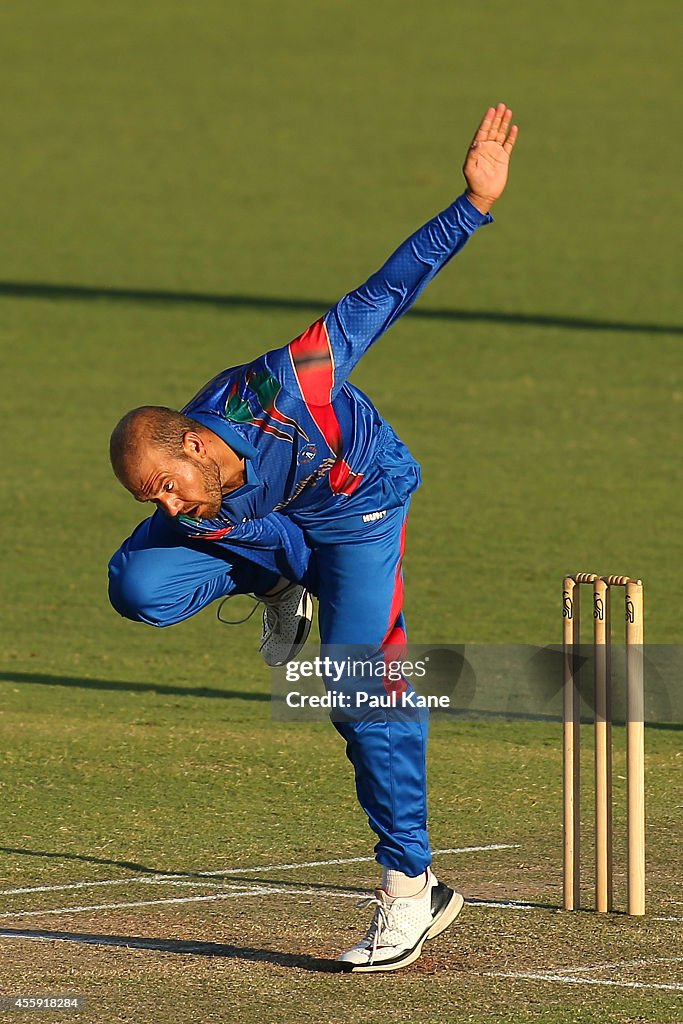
point(314, 445)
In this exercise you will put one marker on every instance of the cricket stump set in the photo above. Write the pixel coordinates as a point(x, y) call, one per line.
point(635, 729)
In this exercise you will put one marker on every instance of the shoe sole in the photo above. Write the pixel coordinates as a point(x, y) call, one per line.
point(447, 916)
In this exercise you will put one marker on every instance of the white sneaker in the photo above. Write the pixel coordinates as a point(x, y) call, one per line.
point(400, 927)
point(287, 618)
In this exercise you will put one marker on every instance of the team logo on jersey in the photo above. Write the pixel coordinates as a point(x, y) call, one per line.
point(252, 400)
point(306, 454)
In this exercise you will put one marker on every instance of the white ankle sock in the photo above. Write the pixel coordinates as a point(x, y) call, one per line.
point(396, 884)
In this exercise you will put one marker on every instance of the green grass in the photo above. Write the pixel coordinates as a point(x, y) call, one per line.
point(270, 157)
point(134, 783)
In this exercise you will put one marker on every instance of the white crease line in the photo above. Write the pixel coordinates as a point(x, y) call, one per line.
point(502, 905)
point(257, 891)
point(141, 880)
point(261, 890)
point(159, 878)
point(620, 965)
point(564, 979)
point(357, 860)
point(218, 884)
point(236, 891)
point(560, 978)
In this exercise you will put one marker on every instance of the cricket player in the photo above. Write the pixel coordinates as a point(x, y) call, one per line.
point(281, 479)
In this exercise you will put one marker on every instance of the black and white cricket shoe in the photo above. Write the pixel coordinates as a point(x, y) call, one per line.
point(287, 618)
point(400, 926)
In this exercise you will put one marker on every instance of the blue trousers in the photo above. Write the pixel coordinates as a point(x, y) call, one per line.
point(354, 568)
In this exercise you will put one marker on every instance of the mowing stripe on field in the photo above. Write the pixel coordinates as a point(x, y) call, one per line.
point(161, 877)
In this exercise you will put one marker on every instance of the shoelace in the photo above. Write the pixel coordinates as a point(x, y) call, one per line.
point(381, 921)
point(237, 622)
point(272, 610)
point(271, 619)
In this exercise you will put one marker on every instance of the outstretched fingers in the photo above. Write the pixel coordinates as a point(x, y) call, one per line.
point(482, 132)
point(486, 164)
point(496, 123)
point(496, 126)
point(504, 126)
point(509, 143)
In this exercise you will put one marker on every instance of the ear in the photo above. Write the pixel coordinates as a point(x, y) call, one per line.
point(193, 445)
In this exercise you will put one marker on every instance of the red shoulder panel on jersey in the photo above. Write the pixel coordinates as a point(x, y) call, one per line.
point(311, 355)
point(313, 362)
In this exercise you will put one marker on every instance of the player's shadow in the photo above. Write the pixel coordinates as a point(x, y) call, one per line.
point(218, 877)
point(160, 296)
point(128, 865)
point(184, 946)
point(163, 689)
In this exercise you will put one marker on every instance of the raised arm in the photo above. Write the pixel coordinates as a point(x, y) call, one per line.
point(323, 356)
point(362, 316)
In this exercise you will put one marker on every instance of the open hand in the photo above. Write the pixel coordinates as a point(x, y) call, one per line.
point(488, 158)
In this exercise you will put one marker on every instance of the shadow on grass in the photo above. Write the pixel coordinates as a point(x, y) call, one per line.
point(183, 946)
point(246, 875)
point(74, 292)
point(127, 864)
point(44, 679)
point(466, 714)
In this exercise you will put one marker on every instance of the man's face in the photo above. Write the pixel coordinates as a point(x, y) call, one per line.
point(189, 484)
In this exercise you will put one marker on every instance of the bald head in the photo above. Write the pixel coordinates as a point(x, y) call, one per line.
point(149, 428)
point(165, 457)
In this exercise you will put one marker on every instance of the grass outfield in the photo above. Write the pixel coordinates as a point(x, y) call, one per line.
point(140, 783)
point(183, 188)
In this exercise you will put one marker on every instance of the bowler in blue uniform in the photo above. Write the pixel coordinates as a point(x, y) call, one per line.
point(281, 474)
